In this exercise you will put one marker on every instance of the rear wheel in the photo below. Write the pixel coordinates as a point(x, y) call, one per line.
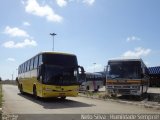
point(35, 92)
point(87, 88)
point(96, 90)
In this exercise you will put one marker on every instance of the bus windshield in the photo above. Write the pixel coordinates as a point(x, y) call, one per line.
point(60, 60)
point(59, 75)
point(124, 69)
point(94, 77)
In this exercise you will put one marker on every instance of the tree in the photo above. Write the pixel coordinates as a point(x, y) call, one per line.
point(0, 79)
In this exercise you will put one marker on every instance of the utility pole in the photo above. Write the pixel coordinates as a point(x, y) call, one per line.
point(53, 34)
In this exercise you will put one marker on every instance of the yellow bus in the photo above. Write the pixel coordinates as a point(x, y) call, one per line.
point(127, 77)
point(50, 74)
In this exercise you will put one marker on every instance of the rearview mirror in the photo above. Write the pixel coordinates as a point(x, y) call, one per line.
point(82, 75)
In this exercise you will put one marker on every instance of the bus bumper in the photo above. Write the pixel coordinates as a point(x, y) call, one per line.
point(131, 90)
point(47, 94)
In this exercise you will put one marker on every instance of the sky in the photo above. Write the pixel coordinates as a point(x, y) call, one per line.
point(94, 30)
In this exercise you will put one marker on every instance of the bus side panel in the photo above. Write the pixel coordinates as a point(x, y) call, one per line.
point(25, 81)
point(28, 82)
point(40, 87)
point(33, 79)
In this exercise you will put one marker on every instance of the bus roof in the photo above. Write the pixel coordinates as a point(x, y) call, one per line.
point(51, 52)
point(116, 60)
point(95, 73)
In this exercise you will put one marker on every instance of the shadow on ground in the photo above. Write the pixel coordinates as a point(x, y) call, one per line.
point(154, 97)
point(55, 103)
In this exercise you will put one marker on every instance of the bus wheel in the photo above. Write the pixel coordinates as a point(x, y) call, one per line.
point(63, 98)
point(87, 88)
point(35, 92)
point(96, 90)
point(21, 89)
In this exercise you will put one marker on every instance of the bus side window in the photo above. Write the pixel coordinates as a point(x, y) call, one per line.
point(28, 65)
point(40, 60)
point(24, 67)
point(40, 69)
point(35, 62)
point(19, 69)
point(31, 64)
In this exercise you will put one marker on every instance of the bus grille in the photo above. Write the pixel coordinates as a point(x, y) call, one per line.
point(124, 91)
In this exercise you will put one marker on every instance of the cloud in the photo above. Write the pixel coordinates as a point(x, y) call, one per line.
point(95, 68)
point(26, 23)
point(61, 3)
point(137, 53)
point(15, 32)
point(46, 11)
point(11, 59)
point(25, 43)
point(89, 2)
point(133, 38)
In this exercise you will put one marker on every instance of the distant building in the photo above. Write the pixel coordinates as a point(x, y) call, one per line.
point(154, 73)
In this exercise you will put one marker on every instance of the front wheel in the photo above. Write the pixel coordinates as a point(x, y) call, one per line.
point(63, 98)
point(87, 88)
point(21, 89)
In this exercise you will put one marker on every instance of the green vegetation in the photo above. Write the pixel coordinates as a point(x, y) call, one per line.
point(98, 95)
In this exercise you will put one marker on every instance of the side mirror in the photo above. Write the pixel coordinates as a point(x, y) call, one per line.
point(142, 72)
point(82, 70)
point(82, 75)
point(108, 69)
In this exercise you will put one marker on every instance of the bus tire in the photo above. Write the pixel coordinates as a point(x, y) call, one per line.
point(21, 89)
point(87, 88)
point(35, 92)
point(96, 90)
point(63, 98)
